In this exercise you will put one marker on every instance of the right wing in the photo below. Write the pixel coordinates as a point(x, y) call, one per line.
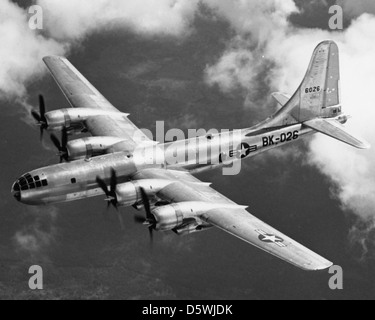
point(232, 218)
point(243, 225)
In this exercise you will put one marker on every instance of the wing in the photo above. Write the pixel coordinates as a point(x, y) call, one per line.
point(81, 94)
point(234, 220)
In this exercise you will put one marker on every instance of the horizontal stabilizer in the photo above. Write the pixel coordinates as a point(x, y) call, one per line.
point(281, 98)
point(336, 130)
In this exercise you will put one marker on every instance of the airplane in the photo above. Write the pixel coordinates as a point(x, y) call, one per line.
point(112, 161)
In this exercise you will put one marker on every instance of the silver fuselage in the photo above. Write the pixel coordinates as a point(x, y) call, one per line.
point(77, 180)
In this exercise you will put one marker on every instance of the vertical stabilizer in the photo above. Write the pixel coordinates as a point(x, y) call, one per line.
point(318, 96)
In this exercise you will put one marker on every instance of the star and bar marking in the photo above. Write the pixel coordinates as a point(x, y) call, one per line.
point(270, 238)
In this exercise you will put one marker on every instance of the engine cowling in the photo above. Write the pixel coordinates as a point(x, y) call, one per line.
point(70, 118)
point(90, 147)
point(128, 194)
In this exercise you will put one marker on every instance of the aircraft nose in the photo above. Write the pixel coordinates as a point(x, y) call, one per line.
point(16, 191)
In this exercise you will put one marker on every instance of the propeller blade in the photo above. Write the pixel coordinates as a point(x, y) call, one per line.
point(150, 219)
point(56, 142)
point(111, 194)
point(140, 220)
point(114, 204)
point(103, 186)
point(64, 139)
point(113, 181)
point(61, 147)
point(146, 203)
point(151, 233)
point(41, 133)
point(41, 116)
point(42, 108)
point(64, 143)
point(36, 116)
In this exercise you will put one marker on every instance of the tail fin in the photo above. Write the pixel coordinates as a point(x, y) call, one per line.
point(319, 93)
point(317, 103)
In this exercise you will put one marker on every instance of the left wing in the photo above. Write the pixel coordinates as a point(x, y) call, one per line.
point(234, 219)
point(81, 94)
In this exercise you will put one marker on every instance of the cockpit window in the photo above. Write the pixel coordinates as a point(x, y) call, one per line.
point(27, 182)
point(23, 182)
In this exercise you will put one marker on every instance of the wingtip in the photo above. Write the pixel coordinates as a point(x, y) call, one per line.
point(53, 57)
point(327, 41)
point(365, 145)
point(319, 267)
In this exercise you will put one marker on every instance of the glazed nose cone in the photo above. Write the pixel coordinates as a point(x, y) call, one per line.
point(16, 191)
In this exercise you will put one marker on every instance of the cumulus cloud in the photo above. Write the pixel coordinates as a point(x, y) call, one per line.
point(66, 23)
point(353, 171)
point(237, 67)
point(21, 51)
point(289, 49)
point(255, 23)
point(76, 19)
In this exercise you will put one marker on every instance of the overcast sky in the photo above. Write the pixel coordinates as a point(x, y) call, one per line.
point(195, 64)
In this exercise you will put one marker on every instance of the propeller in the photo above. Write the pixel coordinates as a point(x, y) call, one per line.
point(149, 220)
point(61, 147)
point(41, 116)
point(110, 193)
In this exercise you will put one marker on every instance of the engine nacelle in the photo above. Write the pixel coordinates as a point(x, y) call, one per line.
point(71, 118)
point(90, 147)
point(178, 216)
point(191, 228)
point(128, 194)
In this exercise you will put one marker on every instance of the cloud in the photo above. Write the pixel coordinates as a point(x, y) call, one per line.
point(36, 237)
point(260, 19)
point(362, 238)
point(288, 50)
point(238, 66)
point(352, 170)
point(21, 51)
point(74, 20)
point(67, 23)
point(255, 23)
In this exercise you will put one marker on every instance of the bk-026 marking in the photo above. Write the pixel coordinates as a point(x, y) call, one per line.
point(283, 137)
